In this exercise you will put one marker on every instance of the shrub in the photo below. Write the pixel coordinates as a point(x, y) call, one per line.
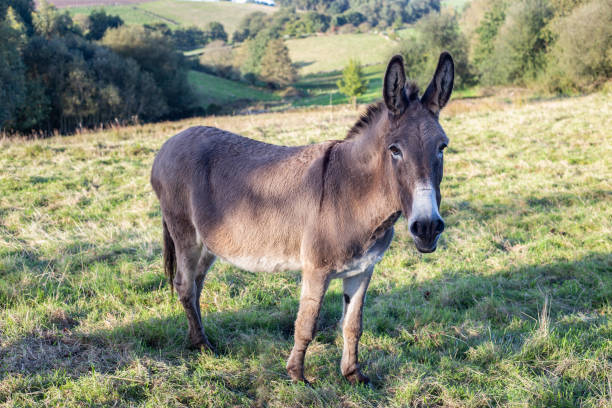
point(581, 58)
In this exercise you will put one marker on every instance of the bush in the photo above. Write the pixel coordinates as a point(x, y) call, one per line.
point(581, 58)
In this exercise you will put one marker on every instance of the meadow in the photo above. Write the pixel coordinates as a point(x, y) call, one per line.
point(327, 53)
point(513, 309)
point(179, 13)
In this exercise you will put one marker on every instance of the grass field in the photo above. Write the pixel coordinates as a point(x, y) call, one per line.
point(180, 13)
point(513, 310)
point(220, 91)
point(332, 52)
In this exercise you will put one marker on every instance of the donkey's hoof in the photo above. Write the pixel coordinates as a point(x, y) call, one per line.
point(357, 378)
point(201, 344)
point(297, 375)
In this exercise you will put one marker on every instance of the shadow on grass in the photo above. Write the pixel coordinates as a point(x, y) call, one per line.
point(447, 302)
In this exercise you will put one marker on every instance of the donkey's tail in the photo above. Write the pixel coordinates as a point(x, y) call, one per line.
point(169, 256)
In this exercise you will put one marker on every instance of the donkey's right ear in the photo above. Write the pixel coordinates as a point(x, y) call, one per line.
point(393, 86)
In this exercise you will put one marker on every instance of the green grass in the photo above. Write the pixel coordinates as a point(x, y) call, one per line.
point(456, 4)
point(332, 52)
point(513, 310)
point(322, 88)
point(183, 13)
point(217, 90)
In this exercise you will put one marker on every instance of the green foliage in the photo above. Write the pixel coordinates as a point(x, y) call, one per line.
point(12, 70)
point(486, 34)
point(376, 12)
point(155, 54)
point(250, 25)
point(98, 22)
point(581, 58)
point(276, 66)
point(255, 50)
point(187, 38)
point(308, 23)
point(49, 22)
point(215, 31)
point(353, 82)
point(520, 48)
point(435, 33)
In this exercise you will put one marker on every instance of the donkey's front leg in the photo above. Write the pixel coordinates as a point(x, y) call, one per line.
point(355, 289)
point(314, 286)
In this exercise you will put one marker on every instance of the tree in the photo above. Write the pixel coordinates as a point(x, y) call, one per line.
point(437, 32)
point(98, 22)
point(520, 47)
point(581, 58)
point(49, 22)
point(215, 31)
point(155, 53)
point(12, 81)
point(276, 66)
point(353, 82)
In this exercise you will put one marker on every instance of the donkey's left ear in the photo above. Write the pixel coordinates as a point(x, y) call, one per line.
point(393, 86)
point(439, 90)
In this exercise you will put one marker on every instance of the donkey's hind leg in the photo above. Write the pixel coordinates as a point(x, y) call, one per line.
point(192, 264)
point(204, 264)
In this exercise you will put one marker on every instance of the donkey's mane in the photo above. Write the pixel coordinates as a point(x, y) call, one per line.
point(373, 110)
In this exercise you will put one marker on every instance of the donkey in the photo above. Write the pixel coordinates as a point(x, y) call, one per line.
point(327, 208)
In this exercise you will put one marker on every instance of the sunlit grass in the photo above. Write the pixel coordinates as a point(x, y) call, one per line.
point(512, 310)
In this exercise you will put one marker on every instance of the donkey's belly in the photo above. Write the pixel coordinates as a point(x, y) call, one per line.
point(370, 258)
point(262, 263)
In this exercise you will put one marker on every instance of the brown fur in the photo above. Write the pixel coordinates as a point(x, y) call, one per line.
point(327, 208)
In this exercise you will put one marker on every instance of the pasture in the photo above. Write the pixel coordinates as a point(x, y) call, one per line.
point(327, 53)
point(513, 309)
point(179, 13)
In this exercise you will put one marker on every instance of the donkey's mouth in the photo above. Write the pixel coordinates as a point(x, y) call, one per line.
point(426, 248)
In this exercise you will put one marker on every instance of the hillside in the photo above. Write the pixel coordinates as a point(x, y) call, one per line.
point(179, 13)
point(326, 53)
point(512, 310)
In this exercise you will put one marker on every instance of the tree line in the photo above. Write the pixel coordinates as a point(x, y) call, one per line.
point(57, 75)
point(561, 46)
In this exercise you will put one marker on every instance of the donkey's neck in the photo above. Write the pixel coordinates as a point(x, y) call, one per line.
point(367, 190)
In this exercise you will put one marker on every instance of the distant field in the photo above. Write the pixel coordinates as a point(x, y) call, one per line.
point(457, 4)
point(183, 13)
point(322, 88)
point(81, 3)
point(217, 90)
point(332, 52)
point(513, 310)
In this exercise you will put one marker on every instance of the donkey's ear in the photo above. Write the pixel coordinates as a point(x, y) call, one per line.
point(393, 87)
point(439, 90)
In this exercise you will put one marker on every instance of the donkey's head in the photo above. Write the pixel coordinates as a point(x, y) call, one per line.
point(415, 143)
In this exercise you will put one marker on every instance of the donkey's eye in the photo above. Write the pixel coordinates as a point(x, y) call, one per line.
point(395, 151)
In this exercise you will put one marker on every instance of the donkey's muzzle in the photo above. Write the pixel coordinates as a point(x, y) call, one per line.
point(426, 232)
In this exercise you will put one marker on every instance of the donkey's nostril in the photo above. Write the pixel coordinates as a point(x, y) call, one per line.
point(438, 226)
point(416, 228)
